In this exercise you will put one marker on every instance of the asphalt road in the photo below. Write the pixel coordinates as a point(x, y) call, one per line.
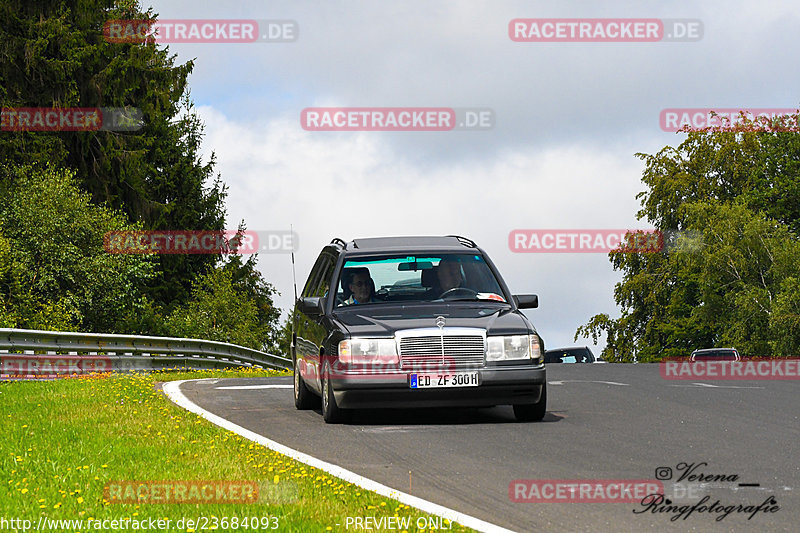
point(604, 421)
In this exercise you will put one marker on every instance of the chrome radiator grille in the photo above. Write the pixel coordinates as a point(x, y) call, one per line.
point(447, 351)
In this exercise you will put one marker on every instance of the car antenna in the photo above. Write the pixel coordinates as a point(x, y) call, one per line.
point(294, 277)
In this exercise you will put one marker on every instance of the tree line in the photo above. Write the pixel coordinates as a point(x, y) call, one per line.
point(61, 191)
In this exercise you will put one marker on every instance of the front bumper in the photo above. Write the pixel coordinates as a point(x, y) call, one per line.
point(497, 386)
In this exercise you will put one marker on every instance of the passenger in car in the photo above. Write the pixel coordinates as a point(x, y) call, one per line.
point(361, 287)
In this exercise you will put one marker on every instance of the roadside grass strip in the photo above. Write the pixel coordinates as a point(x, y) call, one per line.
point(65, 445)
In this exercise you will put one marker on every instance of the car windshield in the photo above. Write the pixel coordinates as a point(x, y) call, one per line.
point(417, 278)
point(573, 355)
point(716, 354)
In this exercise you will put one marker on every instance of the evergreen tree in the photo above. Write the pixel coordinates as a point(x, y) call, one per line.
point(53, 54)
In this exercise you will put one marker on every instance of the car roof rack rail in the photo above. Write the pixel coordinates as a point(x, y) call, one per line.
point(464, 241)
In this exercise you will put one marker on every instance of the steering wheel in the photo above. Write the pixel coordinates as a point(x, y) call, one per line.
point(461, 291)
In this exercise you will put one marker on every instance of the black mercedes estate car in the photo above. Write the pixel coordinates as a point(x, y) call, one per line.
point(413, 322)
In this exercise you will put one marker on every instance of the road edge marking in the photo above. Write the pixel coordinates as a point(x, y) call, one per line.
point(173, 391)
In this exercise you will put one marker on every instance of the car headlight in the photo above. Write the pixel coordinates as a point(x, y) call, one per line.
point(513, 347)
point(368, 351)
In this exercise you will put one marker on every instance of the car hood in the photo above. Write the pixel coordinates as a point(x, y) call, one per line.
point(374, 321)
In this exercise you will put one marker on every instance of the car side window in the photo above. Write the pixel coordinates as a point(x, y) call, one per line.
point(317, 284)
point(324, 282)
point(311, 283)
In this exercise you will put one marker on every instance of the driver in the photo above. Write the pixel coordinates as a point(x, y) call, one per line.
point(448, 277)
point(449, 274)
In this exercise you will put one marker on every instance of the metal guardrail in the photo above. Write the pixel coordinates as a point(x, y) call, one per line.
point(33, 352)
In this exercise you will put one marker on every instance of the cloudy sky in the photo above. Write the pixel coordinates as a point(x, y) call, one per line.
point(568, 119)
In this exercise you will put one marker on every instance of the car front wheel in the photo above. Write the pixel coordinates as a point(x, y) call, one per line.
point(303, 398)
point(331, 412)
point(532, 412)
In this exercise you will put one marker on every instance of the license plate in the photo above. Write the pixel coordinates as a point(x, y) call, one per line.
point(433, 381)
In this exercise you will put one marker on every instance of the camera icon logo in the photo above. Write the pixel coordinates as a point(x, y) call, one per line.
point(663, 473)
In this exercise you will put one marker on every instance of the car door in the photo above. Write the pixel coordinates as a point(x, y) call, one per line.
point(309, 332)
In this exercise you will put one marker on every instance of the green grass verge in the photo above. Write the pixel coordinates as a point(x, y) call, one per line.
point(62, 442)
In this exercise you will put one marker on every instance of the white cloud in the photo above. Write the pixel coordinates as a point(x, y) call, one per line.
point(352, 185)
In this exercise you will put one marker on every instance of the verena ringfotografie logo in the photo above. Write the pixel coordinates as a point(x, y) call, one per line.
point(585, 241)
point(70, 119)
point(755, 369)
point(199, 242)
point(396, 119)
point(40, 366)
point(201, 31)
point(191, 492)
point(582, 490)
point(586, 30)
point(729, 119)
point(691, 483)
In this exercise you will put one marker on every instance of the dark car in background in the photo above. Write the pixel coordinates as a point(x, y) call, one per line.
point(576, 354)
point(414, 322)
point(715, 354)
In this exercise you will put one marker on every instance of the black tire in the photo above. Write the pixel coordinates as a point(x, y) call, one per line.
point(331, 413)
point(532, 412)
point(303, 398)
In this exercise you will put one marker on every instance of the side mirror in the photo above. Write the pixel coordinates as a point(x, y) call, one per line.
point(311, 307)
point(526, 301)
